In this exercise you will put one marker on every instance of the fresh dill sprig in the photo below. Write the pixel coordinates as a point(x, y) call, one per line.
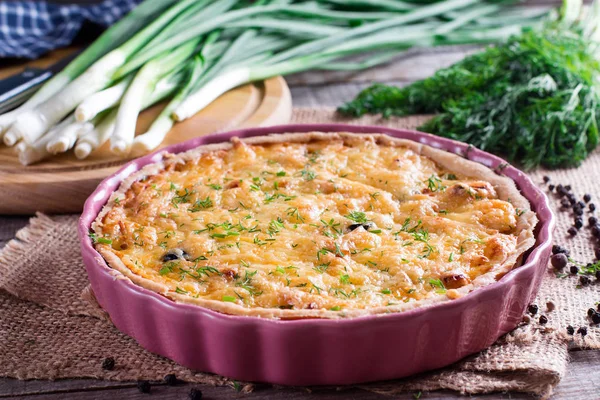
point(534, 99)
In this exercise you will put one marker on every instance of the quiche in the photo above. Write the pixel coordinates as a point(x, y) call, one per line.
point(314, 225)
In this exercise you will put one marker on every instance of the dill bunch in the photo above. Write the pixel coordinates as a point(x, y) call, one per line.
point(534, 99)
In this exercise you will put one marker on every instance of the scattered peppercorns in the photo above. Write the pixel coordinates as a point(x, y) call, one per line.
point(556, 249)
point(108, 364)
point(596, 318)
point(546, 179)
point(543, 320)
point(550, 306)
point(587, 197)
point(584, 280)
point(578, 223)
point(144, 386)
point(582, 331)
point(195, 394)
point(572, 231)
point(596, 230)
point(532, 309)
point(591, 312)
point(559, 261)
point(564, 203)
point(568, 188)
point(577, 211)
point(593, 221)
point(170, 379)
point(574, 270)
point(592, 207)
point(570, 330)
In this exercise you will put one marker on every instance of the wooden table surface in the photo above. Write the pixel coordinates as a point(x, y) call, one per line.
point(581, 382)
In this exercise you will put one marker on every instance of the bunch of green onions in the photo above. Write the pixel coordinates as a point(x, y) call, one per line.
point(193, 51)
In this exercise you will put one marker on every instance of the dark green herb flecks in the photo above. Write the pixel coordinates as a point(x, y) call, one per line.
point(534, 99)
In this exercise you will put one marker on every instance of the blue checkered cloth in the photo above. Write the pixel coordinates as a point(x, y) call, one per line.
point(29, 29)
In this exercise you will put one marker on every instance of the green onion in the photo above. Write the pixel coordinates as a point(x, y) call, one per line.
point(210, 47)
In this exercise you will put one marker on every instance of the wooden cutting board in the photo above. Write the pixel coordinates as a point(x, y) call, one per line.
point(62, 183)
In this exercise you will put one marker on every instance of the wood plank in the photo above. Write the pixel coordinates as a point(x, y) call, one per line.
point(582, 382)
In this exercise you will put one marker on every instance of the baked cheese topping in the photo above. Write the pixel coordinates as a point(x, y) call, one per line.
point(323, 225)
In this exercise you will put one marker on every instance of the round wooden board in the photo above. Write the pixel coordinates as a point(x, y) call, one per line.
point(62, 184)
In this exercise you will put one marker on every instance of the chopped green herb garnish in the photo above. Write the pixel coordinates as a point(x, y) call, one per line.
point(101, 240)
point(358, 216)
point(308, 175)
point(201, 205)
point(434, 184)
point(438, 284)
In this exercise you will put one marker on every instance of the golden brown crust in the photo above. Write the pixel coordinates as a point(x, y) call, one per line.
point(503, 186)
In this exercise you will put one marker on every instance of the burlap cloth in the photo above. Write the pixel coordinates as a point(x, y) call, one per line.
point(50, 329)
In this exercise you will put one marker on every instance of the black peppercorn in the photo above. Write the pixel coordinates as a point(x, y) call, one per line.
point(596, 230)
point(578, 223)
point(174, 254)
point(577, 211)
point(108, 364)
point(564, 203)
point(561, 189)
point(572, 231)
point(543, 320)
point(587, 197)
point(195, 394)
point(582, 331)
point(574, 269)
point(596, 318)
point(366, 226)
point(592, 207)
point(591, 312)
point(581, 204)
point(556, 249)
point(593, 221)
point(144, 386)
point(170, 379)
point(584, 280)
point(568, 188)
point(546, 179)
point(559, 261)
point(533, 309)
point(570, 330)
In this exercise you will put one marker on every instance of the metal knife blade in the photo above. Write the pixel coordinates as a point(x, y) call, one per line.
point(16, 89)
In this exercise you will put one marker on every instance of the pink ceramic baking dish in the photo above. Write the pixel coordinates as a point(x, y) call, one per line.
point(319, 351)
